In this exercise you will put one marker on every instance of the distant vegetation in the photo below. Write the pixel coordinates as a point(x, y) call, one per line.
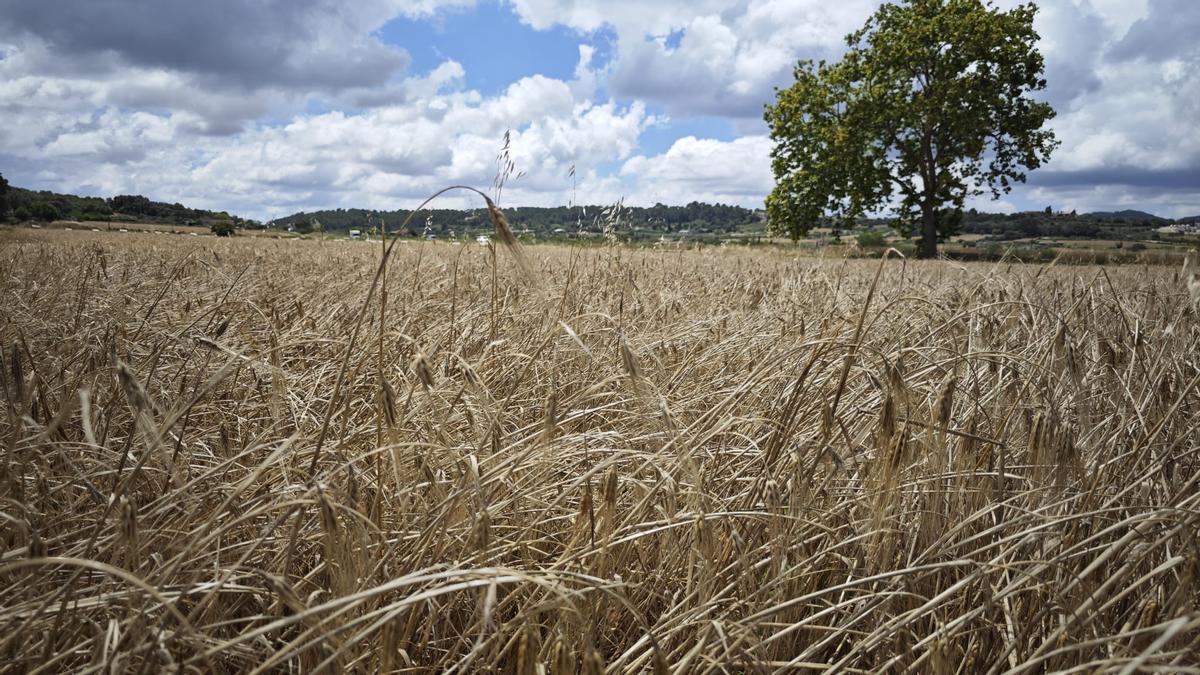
point(1100, 225)
point(704, 222)
point(692, 218)
point(223, 228)
point(698, 222)
point(46, 206)
point(3, 198)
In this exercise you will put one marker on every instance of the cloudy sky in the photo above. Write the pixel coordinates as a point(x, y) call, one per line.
point(266, 107)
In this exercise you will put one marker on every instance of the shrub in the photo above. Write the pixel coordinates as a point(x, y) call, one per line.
point(309, 226)
point(44, 211)
point(871, 239)
point(993, 251)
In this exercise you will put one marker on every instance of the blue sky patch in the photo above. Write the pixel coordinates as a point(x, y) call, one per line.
point(659, 138)
point(490, 42)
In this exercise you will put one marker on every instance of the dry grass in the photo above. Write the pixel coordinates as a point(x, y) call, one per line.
point(620, 461)
point(124, 227)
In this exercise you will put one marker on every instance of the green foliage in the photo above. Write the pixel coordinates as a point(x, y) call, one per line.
point(128, 208)
point(695, 218)
point(223, 227)
point(871, 239)
point(69, 207)
point(309, 226)
point(3, 198)
point(142, 208)
point(44, 211)
point(1059, 226)
point(927, 108)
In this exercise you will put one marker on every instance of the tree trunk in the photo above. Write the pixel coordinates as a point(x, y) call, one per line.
point(929, 232)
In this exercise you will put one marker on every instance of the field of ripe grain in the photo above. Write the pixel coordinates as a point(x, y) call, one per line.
point(241, 455)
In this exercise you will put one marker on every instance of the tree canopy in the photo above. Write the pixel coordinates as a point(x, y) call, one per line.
point(929, 106)
point(3, 198)
point(121, 208)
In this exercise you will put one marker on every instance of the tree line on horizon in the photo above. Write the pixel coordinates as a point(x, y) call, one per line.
point(694, 218)
point(25, 205)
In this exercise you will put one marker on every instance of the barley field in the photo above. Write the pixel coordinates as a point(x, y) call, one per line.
point(232, 455)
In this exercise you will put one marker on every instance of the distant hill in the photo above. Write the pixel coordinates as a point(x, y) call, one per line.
point(1188, 219)
point(1029, 224)
point(45, 205)
point(1127, 215)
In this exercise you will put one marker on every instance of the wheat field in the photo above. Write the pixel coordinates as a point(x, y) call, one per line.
point(258, 456)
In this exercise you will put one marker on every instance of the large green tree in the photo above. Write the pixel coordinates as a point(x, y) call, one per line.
point(929, 106)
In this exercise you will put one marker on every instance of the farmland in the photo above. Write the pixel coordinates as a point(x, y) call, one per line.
point(237, 454)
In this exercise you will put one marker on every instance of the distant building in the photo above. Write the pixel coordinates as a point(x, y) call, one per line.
point(483, 240)
point(355, 234)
